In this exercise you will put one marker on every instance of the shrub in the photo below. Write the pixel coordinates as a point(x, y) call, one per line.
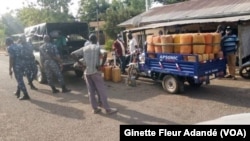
point(108, 44)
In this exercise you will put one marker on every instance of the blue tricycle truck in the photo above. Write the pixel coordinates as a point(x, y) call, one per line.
point(173, 70)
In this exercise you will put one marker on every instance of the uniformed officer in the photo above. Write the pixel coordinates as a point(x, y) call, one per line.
point(51, 61)
point(29, 58)
point(16, 63)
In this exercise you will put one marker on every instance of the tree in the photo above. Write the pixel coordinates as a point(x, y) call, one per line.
point(32, 16)
point(2, 35)
point(11, 25)
point(61, 6)
point(49, 11)
point(88, 9)
point(121, 11)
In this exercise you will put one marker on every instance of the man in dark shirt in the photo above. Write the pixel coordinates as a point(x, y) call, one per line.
point(17, 64)
point(52, 62)
point(119, 48)
point(29, 59)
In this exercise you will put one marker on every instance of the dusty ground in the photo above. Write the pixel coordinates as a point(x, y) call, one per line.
point(65, 117)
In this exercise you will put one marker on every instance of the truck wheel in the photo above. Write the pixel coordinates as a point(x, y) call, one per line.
point(40, 77)
point(78, 73)
point(171, 84)
point(134, 72)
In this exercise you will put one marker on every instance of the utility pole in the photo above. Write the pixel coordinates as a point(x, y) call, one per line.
point(97, 19)
point(146, 4)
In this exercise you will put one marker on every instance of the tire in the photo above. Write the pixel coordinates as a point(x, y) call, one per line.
point(172, 85)
point(78, 73)
point(40, 77)
point(135, 73)
point(245, 72)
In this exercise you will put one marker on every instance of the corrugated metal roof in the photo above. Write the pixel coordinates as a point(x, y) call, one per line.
point(193, 9)
point(183, 22)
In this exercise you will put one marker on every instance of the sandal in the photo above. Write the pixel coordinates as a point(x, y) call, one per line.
point(97, 110)
point(111, 111)
point(228, 76)
point(234, 78)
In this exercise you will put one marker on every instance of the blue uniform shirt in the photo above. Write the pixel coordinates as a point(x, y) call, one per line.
point(15, 52)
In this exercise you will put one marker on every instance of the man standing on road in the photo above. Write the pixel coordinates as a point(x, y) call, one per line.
point(119, 48)
point(29, 59)
point(51, 61)
point(229, 47)
point(133, 48)
point(94, 81)
point(16, 63)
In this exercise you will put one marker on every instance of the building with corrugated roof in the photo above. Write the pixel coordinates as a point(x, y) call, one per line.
point(195, 16)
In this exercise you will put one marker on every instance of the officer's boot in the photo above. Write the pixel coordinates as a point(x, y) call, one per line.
point(32, 87)
point(54, 90)
point(17, 93)
point(25, 96)
point(65, 90)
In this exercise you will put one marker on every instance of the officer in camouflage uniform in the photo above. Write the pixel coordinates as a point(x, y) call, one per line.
point(29, 58)
point(16, 63)
point(52, 62)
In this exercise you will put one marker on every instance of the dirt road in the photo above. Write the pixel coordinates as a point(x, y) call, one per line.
point(65, 117)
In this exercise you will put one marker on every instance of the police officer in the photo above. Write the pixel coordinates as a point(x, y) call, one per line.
point(29, 58)
point(16, 63)
point(51, 61)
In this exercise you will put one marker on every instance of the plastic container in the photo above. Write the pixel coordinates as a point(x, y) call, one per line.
point(150, 46)
point(216, 42)
point(107, 71)
point(198, 43)
point(157, 42)
point(167, 39)
point(176, 40)
point(116, 74)
point(186, 43)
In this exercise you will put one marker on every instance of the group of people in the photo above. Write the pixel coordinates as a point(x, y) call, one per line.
point(229, 45)
point(22, 63)
point(120, 51)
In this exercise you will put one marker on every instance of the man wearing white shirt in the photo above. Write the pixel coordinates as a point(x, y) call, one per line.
point(132, 43)
point(132, 46)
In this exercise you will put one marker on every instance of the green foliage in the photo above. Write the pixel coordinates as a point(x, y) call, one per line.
point(119, 12)
point(108, 44)
point(32, 16)
point(51, 11)
point(58, 11)
point(89, 9)
point(60, 6)
point(11, 25)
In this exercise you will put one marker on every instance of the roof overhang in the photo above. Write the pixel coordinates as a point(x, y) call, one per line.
point(193, 21)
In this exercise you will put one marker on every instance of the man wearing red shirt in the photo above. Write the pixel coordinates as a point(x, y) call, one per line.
point(119, 48)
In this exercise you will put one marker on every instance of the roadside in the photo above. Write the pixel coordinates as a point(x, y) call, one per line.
point(68, 116)
point(3, 51)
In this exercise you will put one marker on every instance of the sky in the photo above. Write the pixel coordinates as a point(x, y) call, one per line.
point(8, 5)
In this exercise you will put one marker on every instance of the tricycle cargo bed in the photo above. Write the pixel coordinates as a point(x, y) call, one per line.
point(178, 64)
point(173, 70)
